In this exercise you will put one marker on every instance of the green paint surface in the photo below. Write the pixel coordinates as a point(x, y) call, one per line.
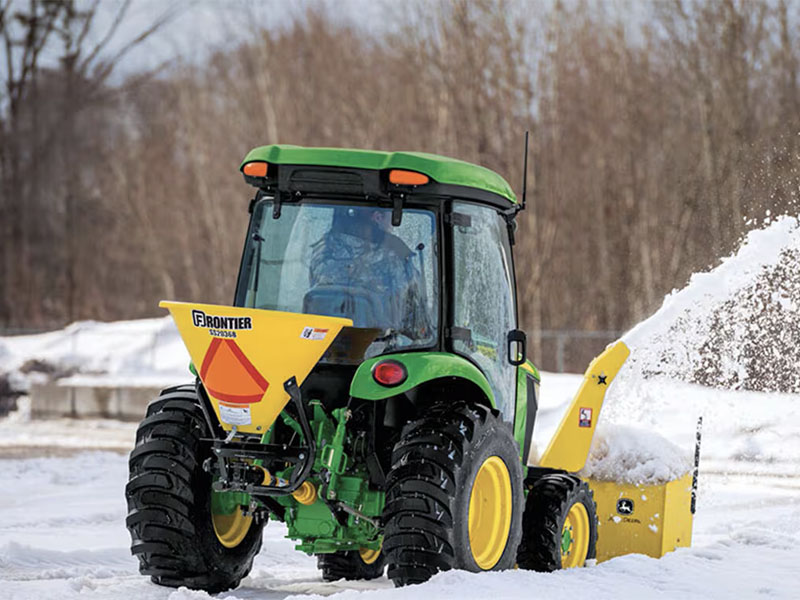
point(421, 367)
point(439, 168)
point(521, 413)
point(314, 526)
point(224, 503)
point(566, 541)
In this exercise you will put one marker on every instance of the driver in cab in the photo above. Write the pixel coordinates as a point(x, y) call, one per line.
point(361, 270)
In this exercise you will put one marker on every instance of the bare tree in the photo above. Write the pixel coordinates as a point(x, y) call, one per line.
point(653, 144)
point(79, 82)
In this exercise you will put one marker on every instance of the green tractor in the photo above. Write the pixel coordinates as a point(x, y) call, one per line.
point(369, 388)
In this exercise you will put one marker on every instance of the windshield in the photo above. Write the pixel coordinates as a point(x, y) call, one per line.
point(347, 261)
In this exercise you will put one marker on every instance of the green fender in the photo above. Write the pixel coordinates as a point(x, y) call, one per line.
point(421, 367)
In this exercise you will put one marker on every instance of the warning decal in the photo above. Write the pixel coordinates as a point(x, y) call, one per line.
point(313, 333)
point(585, 417)
point(235, 415)
point(229, 375)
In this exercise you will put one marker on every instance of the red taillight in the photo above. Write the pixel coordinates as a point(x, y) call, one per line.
point(389, 373)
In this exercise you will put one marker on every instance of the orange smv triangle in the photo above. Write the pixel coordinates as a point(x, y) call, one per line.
point(229, 376)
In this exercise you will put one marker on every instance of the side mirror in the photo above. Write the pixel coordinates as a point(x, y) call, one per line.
point(516, 347)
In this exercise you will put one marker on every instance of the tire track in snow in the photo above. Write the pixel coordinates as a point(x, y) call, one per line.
point(19, 562)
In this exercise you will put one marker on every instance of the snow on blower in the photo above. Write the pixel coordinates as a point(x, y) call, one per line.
point(370, 389)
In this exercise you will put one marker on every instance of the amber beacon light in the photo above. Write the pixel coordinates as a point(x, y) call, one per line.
point(400, 177)
point(255, 169)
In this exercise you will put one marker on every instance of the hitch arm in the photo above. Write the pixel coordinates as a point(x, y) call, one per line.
point(304, 456)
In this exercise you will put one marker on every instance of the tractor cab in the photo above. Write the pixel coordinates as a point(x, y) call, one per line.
point(414, 249)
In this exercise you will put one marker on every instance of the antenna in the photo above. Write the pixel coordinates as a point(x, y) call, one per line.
point(525, 172)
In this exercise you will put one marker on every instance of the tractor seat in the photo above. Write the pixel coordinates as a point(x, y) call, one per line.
point(359, 304)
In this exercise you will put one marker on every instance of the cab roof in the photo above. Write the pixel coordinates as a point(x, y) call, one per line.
point(439, 168)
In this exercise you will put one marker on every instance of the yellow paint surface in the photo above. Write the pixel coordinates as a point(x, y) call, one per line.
point(570, 445)
point(660, 522)
point(245, 355)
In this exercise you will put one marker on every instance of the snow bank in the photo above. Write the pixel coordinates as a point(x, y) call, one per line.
point(143, 352)
point(761, 249)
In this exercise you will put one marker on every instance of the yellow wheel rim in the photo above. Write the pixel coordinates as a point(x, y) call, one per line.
point(369, 556)
point(575, 537)
point(490, 505)
point(231, 529)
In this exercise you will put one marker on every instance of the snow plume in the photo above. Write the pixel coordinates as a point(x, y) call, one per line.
point(735, 326)
point(734, 331)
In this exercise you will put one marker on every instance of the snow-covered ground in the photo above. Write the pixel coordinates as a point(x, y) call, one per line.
point(62, 531)
point(62, 535)
point(62, 512)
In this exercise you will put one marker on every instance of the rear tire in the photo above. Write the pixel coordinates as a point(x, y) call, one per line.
point(169, 502)
point(350, 566)
point(454, 495)
point(560, 524)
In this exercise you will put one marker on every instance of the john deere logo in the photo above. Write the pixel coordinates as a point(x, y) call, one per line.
point(625, 506)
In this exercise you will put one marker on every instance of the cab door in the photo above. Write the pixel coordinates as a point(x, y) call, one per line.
point(483, 299)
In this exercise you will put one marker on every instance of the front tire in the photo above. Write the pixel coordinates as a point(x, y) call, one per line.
point(454, 495)
point(352, 565)
point(173, 532)
point(560, 524)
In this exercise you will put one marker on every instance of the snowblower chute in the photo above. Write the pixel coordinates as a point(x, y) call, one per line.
point(571, 443)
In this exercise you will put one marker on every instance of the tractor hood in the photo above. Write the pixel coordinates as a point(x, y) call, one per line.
point(244, 356)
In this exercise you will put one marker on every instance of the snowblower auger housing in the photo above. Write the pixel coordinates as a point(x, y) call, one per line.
point(369, 387)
